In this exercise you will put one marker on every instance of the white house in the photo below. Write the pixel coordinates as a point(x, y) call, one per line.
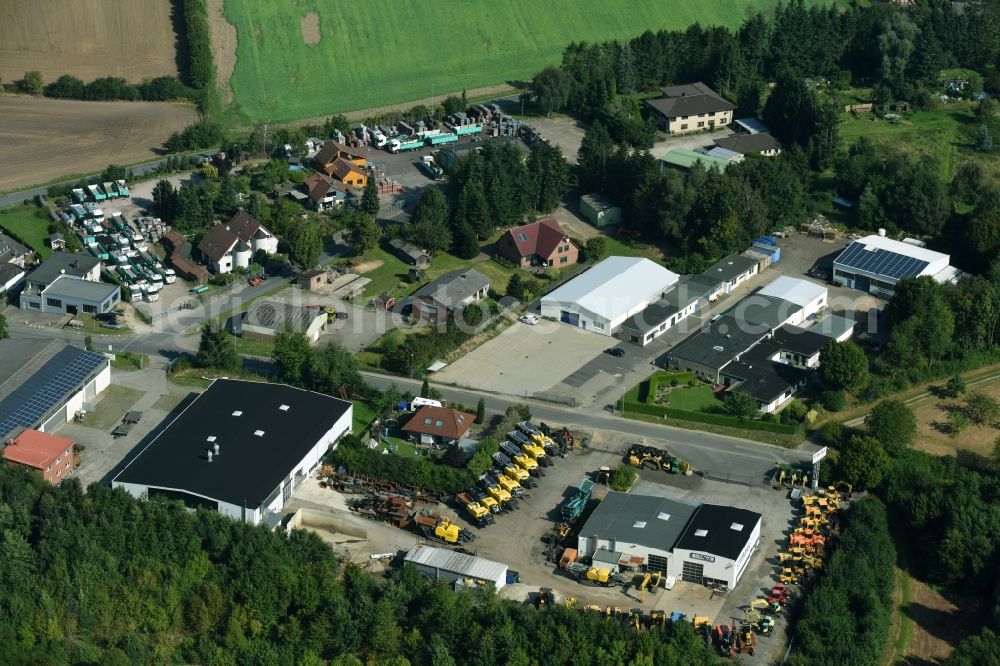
point(232, 245)
point(240, 448)
point(604, 297)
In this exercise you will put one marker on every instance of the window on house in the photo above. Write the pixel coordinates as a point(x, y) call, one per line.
point(701, 124)
point(58, 472)
point(53, 302)
point(90, 309)
point(563, 260)
point(34, 305)
point(684, 127)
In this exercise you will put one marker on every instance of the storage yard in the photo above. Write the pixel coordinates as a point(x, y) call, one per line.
point(131, 39)
point(44, 139)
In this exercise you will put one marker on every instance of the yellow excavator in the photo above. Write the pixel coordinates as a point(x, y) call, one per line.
point(526, 463)
point(649, 580)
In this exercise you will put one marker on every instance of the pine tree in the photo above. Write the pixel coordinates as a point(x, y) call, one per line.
point(984, 142)
point(369, 200)
point(217, 349)
point(481, 411)
point(425, 388)
point(466, 245)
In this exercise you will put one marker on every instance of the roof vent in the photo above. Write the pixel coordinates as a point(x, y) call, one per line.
point(718, 348)
point(258, 433)
point(639, 524)
point(210, 438)
point(284, 408)
point(237, 413)
point(737, 527)
point(701, 533)
point(208, 454)
point(663, 516)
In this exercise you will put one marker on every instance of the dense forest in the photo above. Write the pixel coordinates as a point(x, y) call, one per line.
point(103, 578)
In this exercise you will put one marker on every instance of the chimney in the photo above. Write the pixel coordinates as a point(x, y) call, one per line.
point(208, 454)
point(216, 447)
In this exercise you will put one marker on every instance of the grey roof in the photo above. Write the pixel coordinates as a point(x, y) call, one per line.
point(598, 201)
point(689, 100)
point(8, 244)
point(616, 517)
point(761, 314)
point(452, 288)
point(729, 268)
point(60, 262)
point(278, 316)
point(263, 431)
point(414, 253)
point(834, 326)
point(751, 125)
point(717, 344)
point(703, 284)
point(67, 286)
point(799, 340)
point(9, 272)
point(749, 143)
point(38, 376)
point(455, 562)
point(721, 539)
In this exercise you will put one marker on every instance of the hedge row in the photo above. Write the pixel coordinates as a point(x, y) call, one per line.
point(701, 417)
point(359, 459)
point(201, 65)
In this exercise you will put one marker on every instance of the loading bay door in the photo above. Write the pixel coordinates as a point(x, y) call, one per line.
point(693, 573)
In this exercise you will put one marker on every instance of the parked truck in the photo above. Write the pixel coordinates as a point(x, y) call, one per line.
point(441, 139)
point(96, 193)
point(574, 506)
point(405, 145)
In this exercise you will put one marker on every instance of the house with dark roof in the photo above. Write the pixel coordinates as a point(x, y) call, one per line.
point(761, 143)
point(410, 253)
point(691, 107)
point(439, 425)
point(324, 193)
point(83, 266)
point(44, 383)
point(12, 252)
point(698, 543)
point(266, 318)
point(179, 256)
point(11, 275)
point(331, 151)
point(229, 246)
point(540, 243)
point(240, 448)
point(348, 173)
point(450, 293)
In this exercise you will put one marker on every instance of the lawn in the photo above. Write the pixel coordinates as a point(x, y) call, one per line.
point(619, 248)
point(28, 224)
point(697, 398)
point(363, 415)
point(248, 347)
point(381, 52)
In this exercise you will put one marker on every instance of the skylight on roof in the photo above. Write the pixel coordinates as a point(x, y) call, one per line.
point(663, 516)
point(258, 433)
point(284, 408)
point(639, 524)
point(701, 533)
point(439, 423)
point(521, 236)
point(428, 421)
point(737, 527)
point(237, 413)
point(210, 438)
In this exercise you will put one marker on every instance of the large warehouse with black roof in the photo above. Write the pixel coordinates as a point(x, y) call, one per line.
point(698, 543)
point(240, 447)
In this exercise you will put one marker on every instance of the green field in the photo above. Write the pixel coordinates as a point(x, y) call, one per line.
point(29, 224)
point(387, 51)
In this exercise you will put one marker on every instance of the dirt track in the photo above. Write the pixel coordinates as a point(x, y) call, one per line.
point(133, 39)
point(43, 139)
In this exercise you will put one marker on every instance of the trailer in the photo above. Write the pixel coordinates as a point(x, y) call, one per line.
point(405, 145)
point(440, 139)
point(79, 196)
point(462, 130)
point(110, 189)
point(79, 212)
point(96, 193)
point(122, 188)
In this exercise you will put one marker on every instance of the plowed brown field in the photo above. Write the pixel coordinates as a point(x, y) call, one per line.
point(43, 139)
point(132, 39)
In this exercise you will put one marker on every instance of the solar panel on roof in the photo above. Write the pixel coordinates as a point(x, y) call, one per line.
point(881, 262)
point(53, 382)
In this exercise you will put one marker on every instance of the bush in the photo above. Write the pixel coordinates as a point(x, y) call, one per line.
point(833, 401)
point(201, 66)
point(65, 87)
point(203, 134)
point(702, 417)
point(623, 478)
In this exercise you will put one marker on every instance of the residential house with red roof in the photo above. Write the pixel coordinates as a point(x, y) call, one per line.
point(540, 243)
point(50, 455)
point(439, 425)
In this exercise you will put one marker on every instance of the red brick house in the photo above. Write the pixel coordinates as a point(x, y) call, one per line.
point(540, 243)
point(439, 425)
point(50, 455)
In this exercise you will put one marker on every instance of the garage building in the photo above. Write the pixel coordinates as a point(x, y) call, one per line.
point(240, 448)
point(453, 567)
point(44, 383)
point(600, 210)
point(265, 319)
point(604, 297)
point(875, 264)
point(698, 543)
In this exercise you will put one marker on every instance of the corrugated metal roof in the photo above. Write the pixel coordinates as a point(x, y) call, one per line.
point(459, 563)
point(615, 286)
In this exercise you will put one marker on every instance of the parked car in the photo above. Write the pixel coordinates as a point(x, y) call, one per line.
point(112, 325)
point(617, 352)
point(529, 319)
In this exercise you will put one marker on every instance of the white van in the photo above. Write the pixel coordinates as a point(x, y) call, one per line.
point(423, 402)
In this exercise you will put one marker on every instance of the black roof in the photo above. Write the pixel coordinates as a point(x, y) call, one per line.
point(762, 314)
point(689, 100)
point(749, 143)
point(718, 343)
point(63, 262)
point(799, 340)
point(763, 378)
point(721, 537)
point(728, 268)
point(249, 466)
point(675, 300)
point(654, 522)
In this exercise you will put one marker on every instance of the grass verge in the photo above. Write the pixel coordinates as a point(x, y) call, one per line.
point(784, 441)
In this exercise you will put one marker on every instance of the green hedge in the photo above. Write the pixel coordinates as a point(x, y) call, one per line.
point(701, 417)
point(201, 65)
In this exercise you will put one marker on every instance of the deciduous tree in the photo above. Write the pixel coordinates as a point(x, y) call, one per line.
point(892, 423)
point(291, 355)
point(843, 365)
